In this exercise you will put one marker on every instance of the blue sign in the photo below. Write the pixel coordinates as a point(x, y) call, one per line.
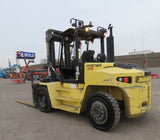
point(26, 55)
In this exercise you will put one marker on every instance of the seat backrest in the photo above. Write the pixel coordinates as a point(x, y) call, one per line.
point(88, 56)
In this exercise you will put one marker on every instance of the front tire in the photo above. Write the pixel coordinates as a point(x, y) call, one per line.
point(43, 100)
point(103, 111)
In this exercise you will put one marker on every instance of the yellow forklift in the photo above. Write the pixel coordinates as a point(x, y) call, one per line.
point(85, 83)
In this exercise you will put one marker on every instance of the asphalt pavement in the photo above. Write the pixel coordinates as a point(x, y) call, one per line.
point(20, 122)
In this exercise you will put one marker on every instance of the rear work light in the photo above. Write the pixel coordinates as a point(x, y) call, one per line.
point(124, 79)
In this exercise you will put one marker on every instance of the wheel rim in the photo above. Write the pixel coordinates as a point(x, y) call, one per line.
point(42, 100)
point(99, 112)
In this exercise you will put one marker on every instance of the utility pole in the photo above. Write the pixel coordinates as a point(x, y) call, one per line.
point(143, 34)
point(9, 62)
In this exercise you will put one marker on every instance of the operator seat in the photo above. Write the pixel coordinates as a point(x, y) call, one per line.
point(88, 56)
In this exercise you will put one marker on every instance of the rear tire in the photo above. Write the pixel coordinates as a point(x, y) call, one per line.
point(43, 100)
point(103, 111)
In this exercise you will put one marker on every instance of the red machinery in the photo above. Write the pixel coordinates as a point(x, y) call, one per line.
point(36, 72)
point(154, 76)
point(28, 73)
point(20, 75)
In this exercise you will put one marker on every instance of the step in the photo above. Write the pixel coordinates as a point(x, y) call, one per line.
point(67, 108)
point(68, 89)
point(62, 89)
point(67, 99)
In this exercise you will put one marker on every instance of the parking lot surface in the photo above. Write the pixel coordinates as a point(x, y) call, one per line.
point(20, 122)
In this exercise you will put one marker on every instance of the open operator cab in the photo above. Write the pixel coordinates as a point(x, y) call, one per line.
point(78, 81)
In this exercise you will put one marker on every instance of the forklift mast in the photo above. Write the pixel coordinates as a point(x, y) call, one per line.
point(52, 36)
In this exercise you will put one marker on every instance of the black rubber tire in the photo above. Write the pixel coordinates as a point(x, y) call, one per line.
point(45, 105)
point(112, 107)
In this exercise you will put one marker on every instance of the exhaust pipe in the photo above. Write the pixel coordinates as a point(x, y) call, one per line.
point(110, 46)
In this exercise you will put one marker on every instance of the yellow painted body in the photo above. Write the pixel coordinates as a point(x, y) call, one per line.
point(102, 77)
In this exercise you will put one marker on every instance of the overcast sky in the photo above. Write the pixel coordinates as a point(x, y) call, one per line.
point(23, 23)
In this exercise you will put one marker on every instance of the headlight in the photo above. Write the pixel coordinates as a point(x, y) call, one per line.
point(86, 29)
